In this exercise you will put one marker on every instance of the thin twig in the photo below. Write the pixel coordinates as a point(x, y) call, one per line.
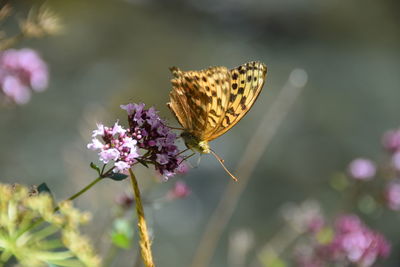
point(145, 245)
point(11, 41)
point(253, 152)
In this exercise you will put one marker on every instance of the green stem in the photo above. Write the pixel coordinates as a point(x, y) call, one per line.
point(83, 190)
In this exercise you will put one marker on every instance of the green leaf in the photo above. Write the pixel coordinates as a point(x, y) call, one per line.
point(122, 234)
point(43, 188)
point(120, 240)
point(143, 162)
point(117, 176)
point(269, 258)
point(95, 167)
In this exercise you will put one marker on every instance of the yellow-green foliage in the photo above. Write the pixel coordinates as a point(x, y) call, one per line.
point(34, 235)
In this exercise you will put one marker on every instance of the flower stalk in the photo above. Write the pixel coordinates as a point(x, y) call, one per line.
point(145, 245)
point(83, 190)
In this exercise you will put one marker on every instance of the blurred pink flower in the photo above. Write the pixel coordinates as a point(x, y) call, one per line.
point(20, 72)
point(391, 140)
point(396, 160)
point(362, 169)
point(180, 190)
point(183, 167)
point(348, 223)
point(358, 243)
point(124, 200)
point(316, 224)
point(392, 195)
point(352, 243)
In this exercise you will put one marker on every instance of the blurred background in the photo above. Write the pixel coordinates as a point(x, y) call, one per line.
point(115, 52)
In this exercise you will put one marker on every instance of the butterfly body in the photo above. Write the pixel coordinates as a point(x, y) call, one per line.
point(192, 142)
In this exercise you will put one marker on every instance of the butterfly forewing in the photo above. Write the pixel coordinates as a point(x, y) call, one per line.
point(209, 102)
point(220, 84)
point(246, 82)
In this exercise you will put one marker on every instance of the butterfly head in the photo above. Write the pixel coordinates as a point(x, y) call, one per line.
point(194, 143)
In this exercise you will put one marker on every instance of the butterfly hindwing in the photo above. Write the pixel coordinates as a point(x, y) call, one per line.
point(190, 100)
point(178, 102)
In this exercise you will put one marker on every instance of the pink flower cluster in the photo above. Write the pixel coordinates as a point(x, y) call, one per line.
point(22, 71)
point(155, 137)
point(352, 243)
point(147, 141)
point(115, 145)
point(356, 242)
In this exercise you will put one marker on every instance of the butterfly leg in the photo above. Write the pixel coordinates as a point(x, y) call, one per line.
point(183, 151)
point(198, 160)
point(185, 158)
point(175, 128)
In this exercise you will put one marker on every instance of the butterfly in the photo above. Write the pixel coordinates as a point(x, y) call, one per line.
point(207, 103)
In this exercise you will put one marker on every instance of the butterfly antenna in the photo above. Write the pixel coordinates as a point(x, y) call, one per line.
point(222, 164)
